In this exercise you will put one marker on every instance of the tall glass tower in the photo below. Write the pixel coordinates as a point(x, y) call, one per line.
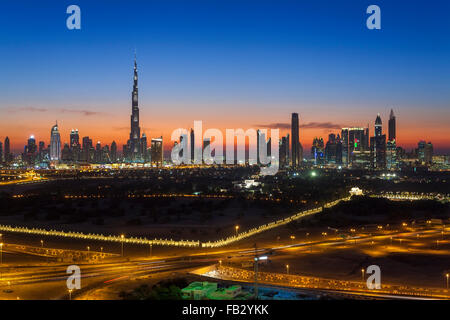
point(296, 159)
point(135, 133)
point(55, 144)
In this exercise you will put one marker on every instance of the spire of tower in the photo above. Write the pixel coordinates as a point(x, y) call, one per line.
point(392, 116)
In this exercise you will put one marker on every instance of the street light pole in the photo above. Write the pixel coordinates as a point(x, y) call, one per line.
point(362, 274)
point(287, 269)
point(151, 249)
point(447, 275)
point(121, 237)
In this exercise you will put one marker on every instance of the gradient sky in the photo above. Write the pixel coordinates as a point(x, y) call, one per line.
point(233, 64)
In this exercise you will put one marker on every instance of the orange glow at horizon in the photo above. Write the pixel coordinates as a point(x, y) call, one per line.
point(115, 126)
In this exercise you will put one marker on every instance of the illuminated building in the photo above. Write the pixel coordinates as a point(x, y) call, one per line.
point(192, 145)
point(133, 150)
point(333, 149)
point(344, 139)
point(1, 153)
point(143, 146)
point(88, 152)
point(392, 129)
point(378, 146)
point(425, 152)
point(207, 150)
point(391, 146)
point(43, 154)
point(75, 148)
point(66, 154)
point(391, 155)
point(297, 154)
point(8, 156)
point(113, 152)
point(355, 147)
point(317, 150)
point(55, 144)
point(156, 150)
point(284, 151)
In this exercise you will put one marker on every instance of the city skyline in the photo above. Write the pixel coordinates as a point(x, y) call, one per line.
point(327, 67)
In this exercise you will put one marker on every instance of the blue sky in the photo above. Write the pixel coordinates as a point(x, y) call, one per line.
point(231, 63)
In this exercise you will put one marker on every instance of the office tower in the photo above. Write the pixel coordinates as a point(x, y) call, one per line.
point(425, 152)
point(55, 144)
point(284, 151)
point(87, 152)
point(317, 150)
point(344, 139)
point(358, 148)
point(105, 155)
point(7, 151)
point(429, 153)
point(1, 153)
point(113, 152)
point(392, 132)
point(143, 148)
point(391, 155)
point(43, 155)
point(98, 152)
point(296, 157)
point(206, 146)
point(338, 149)
point(66, 154)
point(378, 146)
point(156, 150)
point(134, 149)
point(75, 147)
point(331, 149)
point(391, 145)
point(192, 146)
point(260, 139)
point(74, 138)
point(30, 151)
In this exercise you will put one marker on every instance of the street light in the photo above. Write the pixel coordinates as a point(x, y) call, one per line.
point(292, 238)
point(362, 274)
point(287, 269)
point(42, 243)
point(151, 248)
point(70, 294)
point(122, 237)
point(446, 276)
point(236, 228)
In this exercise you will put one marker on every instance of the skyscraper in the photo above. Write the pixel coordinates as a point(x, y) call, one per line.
point(425, 152)
point(74, 138)
point(143, 146)
point(134, 152)
point(8, 155)
point(284, 151)
point(392, 133)
point(378, 146)
point(113, 152)
point(296, 157)
point(192, 145)
point(1, 153)
point(156, 150)
point(55, 144)
point(317, 150)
